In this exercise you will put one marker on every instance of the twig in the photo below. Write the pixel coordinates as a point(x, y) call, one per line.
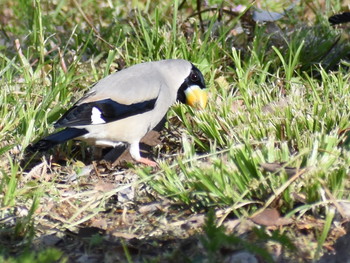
point(200, 15)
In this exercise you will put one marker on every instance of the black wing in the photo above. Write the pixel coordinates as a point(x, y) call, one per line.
point(56, 138)
point(108, 111)
point(339, 18)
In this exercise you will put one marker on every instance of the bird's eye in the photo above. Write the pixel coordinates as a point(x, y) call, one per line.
point(194, 77)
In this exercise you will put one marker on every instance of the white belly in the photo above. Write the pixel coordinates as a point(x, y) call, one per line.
point(128, 130)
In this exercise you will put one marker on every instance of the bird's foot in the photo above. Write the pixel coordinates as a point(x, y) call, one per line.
point(147, 162)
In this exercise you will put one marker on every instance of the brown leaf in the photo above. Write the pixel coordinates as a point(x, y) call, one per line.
point(270, 217)
point(104, 186)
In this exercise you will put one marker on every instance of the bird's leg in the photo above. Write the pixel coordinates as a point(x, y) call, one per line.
point(147, 162)
point(135, 153)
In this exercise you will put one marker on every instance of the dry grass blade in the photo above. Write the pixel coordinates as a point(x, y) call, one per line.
point(333, 200)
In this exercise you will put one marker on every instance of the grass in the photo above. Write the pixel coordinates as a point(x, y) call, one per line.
point(277, 98)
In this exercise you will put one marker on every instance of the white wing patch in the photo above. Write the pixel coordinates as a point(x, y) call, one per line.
point(96, 116)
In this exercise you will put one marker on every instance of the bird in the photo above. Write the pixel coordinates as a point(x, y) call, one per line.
point(126, 105)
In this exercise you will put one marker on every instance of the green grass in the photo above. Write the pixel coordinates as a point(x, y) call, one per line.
point(273, 99)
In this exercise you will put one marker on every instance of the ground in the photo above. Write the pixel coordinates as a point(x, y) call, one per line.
point(260, 175)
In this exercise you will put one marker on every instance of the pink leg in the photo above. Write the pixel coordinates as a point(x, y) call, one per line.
point(147, 162)
point(135, 153)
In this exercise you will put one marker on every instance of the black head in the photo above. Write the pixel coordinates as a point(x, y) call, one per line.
point(195, 78)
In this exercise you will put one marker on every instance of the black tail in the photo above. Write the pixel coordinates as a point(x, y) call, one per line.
point(56, 138)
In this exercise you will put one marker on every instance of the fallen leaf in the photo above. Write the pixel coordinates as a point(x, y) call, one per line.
point(271, 217)
point(104, 186)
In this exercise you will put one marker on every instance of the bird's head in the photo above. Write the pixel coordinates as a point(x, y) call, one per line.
point(192, 90)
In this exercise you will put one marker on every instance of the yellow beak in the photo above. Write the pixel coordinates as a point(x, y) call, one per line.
point(196, 97)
